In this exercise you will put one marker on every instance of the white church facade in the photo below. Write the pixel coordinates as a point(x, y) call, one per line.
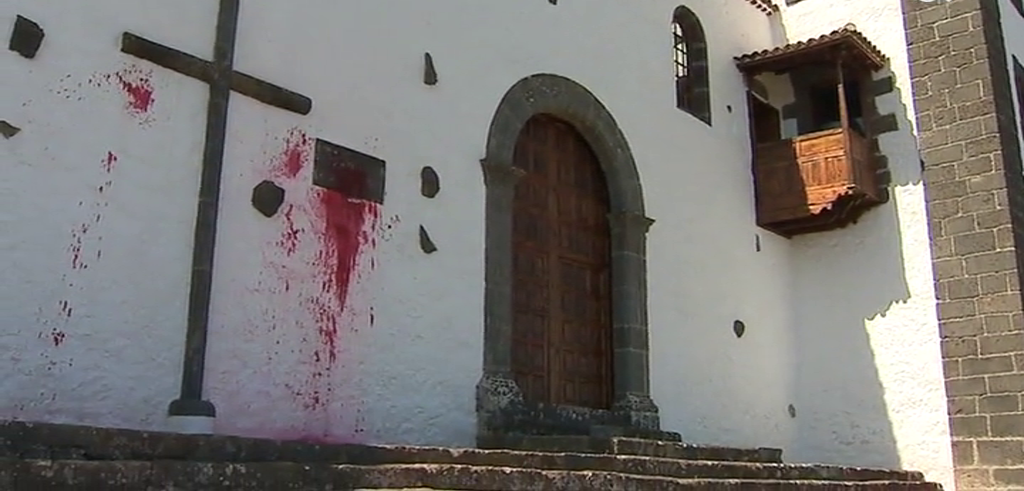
point(446, 222)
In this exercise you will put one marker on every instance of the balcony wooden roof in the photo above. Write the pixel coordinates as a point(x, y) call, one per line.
point(845, 44)
point(765, 6)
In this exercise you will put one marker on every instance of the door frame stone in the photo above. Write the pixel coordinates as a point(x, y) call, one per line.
point(501, 409)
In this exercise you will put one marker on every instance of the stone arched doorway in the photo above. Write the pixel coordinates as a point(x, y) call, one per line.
point(501, 406)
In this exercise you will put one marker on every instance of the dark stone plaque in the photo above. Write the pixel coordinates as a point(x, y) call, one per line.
point(26, 38)
point(351, 173)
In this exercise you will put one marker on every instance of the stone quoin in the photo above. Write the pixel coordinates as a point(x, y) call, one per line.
point(790, 227)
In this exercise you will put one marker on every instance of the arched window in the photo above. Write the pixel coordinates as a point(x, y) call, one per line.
point(690, 55)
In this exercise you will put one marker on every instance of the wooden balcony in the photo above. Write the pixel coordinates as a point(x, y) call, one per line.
point(814, 182)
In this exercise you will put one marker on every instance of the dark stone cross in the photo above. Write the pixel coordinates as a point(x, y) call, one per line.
point(223, 79)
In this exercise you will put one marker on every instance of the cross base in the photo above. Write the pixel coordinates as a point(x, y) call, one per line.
point(191, 416)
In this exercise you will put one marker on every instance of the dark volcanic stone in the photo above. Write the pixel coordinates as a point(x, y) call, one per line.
point(267, 198)
point(430, 182)
point(429, 71)
point(426, 243)
point(26, 38)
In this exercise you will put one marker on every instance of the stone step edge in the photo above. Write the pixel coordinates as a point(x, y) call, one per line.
point(23, 475)
point(430, 474)
point(630, 446)
point(91, 443)
point(122, 444)
point(629, 464)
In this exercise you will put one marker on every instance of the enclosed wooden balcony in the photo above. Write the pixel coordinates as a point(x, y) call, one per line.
point(825, 176)
point(814, 182)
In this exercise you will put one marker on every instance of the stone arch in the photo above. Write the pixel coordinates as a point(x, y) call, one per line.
point(501, 409)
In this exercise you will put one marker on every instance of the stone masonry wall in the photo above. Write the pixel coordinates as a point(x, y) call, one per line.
point(972, 169)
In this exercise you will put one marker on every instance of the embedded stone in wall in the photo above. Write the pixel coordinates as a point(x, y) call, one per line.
point(267, 198)
point(26, 38)
point(885, 124)
point(739, 328)
point(429, 71)
point(8, 129)
point(426, 244)
point(882, 86)
point(430, 182)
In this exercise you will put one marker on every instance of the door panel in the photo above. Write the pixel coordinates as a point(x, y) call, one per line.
point(561, 269)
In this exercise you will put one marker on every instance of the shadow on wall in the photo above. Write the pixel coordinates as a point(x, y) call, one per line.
point(842, 279)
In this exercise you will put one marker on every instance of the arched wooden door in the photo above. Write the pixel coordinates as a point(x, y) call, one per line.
point(561, 332)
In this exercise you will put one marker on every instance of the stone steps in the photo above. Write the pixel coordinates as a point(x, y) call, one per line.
point(32, 475)
point(58, 457)
point(54, 441)
point(632, 446)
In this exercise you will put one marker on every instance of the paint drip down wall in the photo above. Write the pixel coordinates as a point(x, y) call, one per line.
point(304, 308)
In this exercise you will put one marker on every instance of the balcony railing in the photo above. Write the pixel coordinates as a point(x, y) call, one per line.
point(814, 182)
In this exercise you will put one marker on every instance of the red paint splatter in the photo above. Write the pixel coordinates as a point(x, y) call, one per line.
point(295, 155)
point(342, 241)
point(136, 85)
point(65, 309)
point(289, 241)
point(138, 88)
point(77, 235)
point(57, 337)
point(108, 163)
point(339, 231)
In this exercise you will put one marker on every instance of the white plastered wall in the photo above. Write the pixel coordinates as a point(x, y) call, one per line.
point(870, 385)
point(409, 344)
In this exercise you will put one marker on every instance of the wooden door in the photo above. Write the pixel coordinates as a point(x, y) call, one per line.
point(561, 346)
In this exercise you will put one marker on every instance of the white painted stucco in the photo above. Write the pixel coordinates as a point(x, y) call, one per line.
point(840, 325)
point(869, 383)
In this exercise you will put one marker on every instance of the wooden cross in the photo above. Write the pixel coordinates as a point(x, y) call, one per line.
point(223, 79)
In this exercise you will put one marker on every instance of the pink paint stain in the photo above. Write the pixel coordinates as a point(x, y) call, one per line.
point(65, 309)
point(81, 231)
point(314, 261)
point(77, 236)
point(108, 162)
point(289, 241)
point(80, 238)
point(137, 87)
point(296, 154)
point(342, 241)
point(57, 337)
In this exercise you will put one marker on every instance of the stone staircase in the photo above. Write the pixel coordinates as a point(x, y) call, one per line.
point(38, 457)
